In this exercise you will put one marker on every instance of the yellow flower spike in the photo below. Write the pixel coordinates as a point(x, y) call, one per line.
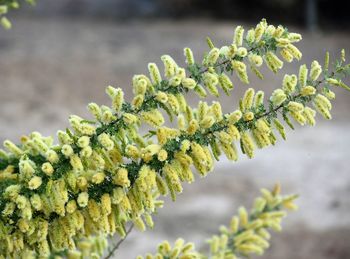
point(207, 122)
point(255, 59)
point(323, 101)
point(153, 118)
point(233, 132)
point(210, 81)
point(200, 91)
point(83, 199)
point(308, 90)
point(162, 155)
point(212, 57)
point(47, 168)
point(189, 83)
point(248, 99)
point(241, 71)
point(200, 159)
point(250, 37)
point(175, 80)
point(225, 83)
point(249, 248)
point(193, 126)
point(232, 51)
point(270, 30)
point(139, 224)
point(225, 137)
point(289, 83)
point(309, 115)
point(148, 219)
point(234, 116)
point(238, 36)
point(181, 73)
point(242, 52)
point(64, 138)
point(282, 42)
point(83, 141)
point(210, 43)
point(34, 183)
point(40, 145)
point(140, 87)
point(328, 93)
point(259, 99)
point(280, 128)
point(85, 152)
point(105, 140)
point(132, 151)
point(287, 56)
point(295, 106)
point(189, 56)
point(273, 62)
point(230, 151)
point(170, 67)
point(76, 163)
point(181, 123)
point(247, 144)
point(9, 209)
point(161, 97)
point(303, 71)
point(187, 248)
point(95, 110)
point(121, 178)
point(52, 156)
point(71, 206)
point(11, 147)
point(322, 110)
point(5, 23)
point(23, 225)
point(298, 117)
point(3, 9)
point(107, 117)
point(217, 111)
point(67, 150)
point(294, 51)
point(315, 70)
point(259, 31)
point(98, 178)
point(294, 37)
point(278, 97)
point(161, 185)
point(342, 55)
point(214, 244)
point(154, 73)
point(173, 103)
point(248, 116)
point(94, 210)
point(82, 182)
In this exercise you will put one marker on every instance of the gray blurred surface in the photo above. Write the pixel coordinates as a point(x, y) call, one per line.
point(51, 68)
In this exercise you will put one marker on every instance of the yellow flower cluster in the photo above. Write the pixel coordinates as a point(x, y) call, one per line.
point(180, 250)
point(103, 173)
point(247, 233)
point(5, 6)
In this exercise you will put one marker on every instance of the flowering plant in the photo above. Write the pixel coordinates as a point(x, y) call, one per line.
point(63, 200)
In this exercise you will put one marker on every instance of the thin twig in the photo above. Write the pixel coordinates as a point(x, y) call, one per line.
point(116, 246)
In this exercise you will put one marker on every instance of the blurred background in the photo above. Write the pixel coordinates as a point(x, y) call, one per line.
point(60, 55)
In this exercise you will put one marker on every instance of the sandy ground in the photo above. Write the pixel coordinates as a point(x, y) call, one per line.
point(50, 69)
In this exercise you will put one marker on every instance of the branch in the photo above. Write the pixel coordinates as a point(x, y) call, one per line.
point(116, 246)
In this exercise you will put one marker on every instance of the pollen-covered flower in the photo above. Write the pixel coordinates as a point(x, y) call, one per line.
point(83, 199)
point(34, 183)
point(278, 97)
point(121, 178)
